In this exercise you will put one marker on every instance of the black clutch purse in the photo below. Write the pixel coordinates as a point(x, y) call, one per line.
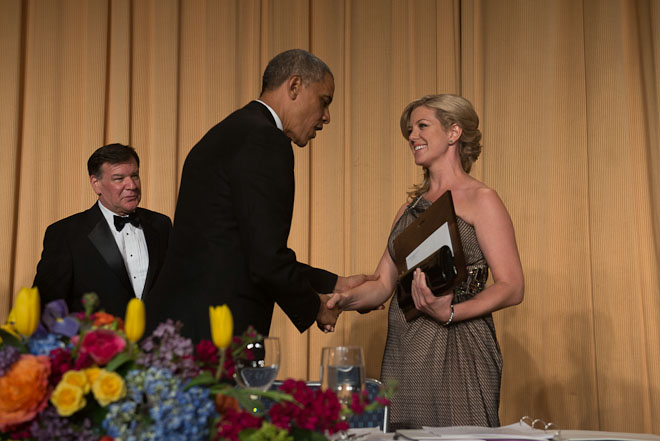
point(444, 269)
point(440, 273)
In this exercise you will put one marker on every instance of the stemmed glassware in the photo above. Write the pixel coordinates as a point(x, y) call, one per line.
point(258, 366)
point(342, 370)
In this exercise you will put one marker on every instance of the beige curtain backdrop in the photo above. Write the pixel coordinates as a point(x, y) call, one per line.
point(568, 94)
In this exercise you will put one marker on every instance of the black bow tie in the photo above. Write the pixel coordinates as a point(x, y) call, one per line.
point(130, 219)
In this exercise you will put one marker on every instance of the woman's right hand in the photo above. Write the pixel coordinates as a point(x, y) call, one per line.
point(337, 301)
point(347, 301)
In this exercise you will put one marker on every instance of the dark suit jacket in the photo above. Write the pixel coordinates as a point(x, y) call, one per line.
point(231, 226)
point(80, 255)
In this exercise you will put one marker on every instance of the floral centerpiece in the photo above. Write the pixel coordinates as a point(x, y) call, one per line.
point(89, 376)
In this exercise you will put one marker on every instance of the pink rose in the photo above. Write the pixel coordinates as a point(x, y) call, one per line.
point(102, 345)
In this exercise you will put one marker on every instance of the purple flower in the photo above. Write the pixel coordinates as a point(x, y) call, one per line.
point(50, 425)
point(55, 317)
point(167, 349)
point(8, 356)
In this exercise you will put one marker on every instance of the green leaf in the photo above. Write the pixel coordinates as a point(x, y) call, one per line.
point(204, 379)
point(245, 399)
point(118, 361)
point(220, 387)
point(250, 404)
point(11, 340)
point(307, 435)
point(274, 395)
point(245, 434)
point(94, 412)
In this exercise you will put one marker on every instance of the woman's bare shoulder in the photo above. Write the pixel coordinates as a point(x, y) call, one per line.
point(472, 198)
point(487, 206)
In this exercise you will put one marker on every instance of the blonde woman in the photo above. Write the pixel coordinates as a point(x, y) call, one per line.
point(447, 361)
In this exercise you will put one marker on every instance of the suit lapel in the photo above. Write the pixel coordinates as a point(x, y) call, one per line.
point(151, 236)
point(105, 244)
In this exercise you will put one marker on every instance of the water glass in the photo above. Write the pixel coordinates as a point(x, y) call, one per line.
point(342, 371)
point(257, 367)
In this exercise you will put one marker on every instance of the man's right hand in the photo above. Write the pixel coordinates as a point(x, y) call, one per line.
point(347, 302)
point(326, 318)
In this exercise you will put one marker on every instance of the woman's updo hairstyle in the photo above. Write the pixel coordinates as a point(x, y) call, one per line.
point(450, 110)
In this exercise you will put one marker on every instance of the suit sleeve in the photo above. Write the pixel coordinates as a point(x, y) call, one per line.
point(262, 185)
point(321, 280)
point(54, 271)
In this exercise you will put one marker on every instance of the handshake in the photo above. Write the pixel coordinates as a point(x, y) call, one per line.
point(331, 304)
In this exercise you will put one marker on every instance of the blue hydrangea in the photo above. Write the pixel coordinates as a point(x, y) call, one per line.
point(44, 344)
point(165, 411)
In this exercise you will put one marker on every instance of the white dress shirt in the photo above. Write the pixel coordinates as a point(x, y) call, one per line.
point(278, 121)
point(133, 248)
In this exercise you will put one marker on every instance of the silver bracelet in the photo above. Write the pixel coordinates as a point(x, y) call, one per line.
point(451, 316)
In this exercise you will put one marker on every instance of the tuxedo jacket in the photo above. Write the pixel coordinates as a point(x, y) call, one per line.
point(80, 255)
point(231, 227)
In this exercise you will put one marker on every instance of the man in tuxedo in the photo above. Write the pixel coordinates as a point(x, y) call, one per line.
point(234, 210)
point(114, 249)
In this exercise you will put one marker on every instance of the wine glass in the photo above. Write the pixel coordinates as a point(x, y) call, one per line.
point(342, 371)
point(257, 367)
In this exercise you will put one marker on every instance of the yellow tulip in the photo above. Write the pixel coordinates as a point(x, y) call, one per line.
point(222, 325)
point(135, 317)
point(28, 310)
point(10, 326)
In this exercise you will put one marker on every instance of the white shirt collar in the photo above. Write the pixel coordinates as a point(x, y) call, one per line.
point(278, 121)
point(108, 215)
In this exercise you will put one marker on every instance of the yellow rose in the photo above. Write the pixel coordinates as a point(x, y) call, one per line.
point(108, 388)
point(67, 399)
point(92, 374)
point(76, 378)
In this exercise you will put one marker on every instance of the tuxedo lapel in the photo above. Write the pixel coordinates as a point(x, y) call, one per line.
point(151, 236)
point(105, 244)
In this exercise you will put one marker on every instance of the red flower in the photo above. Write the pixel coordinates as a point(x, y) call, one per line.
point(206, 352)
point(22, 431)
point(102, 345)
point(315, 409)
point(107, 438)
point(383, 401)
point(60, 362)
point(229, 368)
point(359, 401)
point(233, 422)
point(84, 361)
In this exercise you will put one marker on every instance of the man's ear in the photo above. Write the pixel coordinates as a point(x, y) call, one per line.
point(94, 181)
point(293, 86)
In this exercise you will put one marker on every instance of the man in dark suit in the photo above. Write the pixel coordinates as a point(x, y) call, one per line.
point(114, 249)
point(234, 210)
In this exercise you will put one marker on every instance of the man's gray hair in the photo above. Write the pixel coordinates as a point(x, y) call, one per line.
point(293, 62)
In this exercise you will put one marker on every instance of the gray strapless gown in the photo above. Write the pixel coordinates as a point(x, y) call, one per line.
point(447, 375)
